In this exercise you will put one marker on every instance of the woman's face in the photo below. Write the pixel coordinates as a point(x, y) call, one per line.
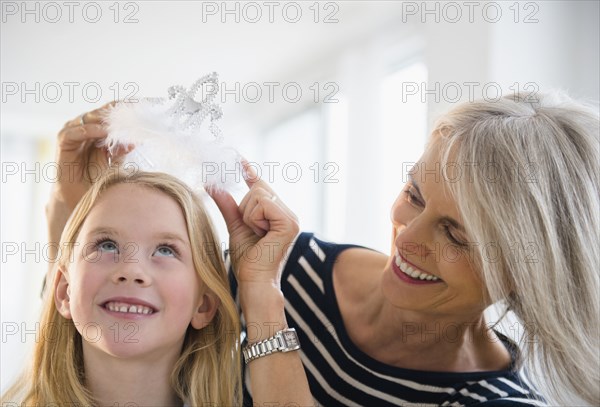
point(431, 268)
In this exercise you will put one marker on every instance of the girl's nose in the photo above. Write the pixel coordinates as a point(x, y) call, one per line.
point(131, 270)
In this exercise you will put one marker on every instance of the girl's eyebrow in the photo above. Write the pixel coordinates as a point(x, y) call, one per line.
point(171, 236)
point(455, 224)
point(102, 230)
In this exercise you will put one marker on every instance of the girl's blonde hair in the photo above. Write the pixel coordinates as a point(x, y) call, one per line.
point(208, 370)
point(529, 186)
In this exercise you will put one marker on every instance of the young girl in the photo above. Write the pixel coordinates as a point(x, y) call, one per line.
point(139, 309)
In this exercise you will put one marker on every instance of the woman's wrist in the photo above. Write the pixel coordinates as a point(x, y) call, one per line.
point(263, 309)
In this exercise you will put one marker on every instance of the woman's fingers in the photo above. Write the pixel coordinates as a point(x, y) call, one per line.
point(92, 117)
point(75, 135)
point(85, 127)
point(255, 218)
point(256, 210)
point(251, 201)
point(250, 175)
point(252, 179)
point(228, 208)
point(81, 150)
point(88, 133)
point(97, 115)
point(259, 210)
point(266, 213)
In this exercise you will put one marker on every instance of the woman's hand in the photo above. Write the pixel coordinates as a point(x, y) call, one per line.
point(261, 230)
point(81, 158)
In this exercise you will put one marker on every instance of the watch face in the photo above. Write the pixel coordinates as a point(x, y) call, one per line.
point(290, 338)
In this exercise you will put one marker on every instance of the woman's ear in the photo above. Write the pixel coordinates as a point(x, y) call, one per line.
point(206, 310)
point(61, 294)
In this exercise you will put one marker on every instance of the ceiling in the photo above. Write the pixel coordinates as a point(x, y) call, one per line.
point(171, 43)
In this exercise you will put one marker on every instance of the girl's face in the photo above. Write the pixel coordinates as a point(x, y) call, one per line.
point(429, 243)
point(131, 289)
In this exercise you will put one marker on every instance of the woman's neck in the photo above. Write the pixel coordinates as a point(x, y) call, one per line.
point(117, 381)
point(410, 339)
point(414, 341)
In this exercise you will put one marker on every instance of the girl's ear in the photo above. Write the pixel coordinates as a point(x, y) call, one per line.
point(207, 308)
point(61, 294)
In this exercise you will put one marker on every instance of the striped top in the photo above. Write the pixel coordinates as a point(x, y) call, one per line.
point(340, 374)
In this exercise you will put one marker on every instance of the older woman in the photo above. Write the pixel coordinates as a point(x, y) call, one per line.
point(502, 208)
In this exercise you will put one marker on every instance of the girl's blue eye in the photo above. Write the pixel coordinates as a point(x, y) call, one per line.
point(166, 251)
point(107, 246)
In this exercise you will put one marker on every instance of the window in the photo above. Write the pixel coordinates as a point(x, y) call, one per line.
point(404, 120)
point(293, 152)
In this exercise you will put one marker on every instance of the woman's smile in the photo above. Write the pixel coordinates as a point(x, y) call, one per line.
point(409, 273)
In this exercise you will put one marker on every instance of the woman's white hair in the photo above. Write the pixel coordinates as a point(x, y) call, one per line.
point(529, 188)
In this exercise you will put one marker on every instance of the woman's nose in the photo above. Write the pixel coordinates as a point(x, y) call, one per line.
point(412, 237)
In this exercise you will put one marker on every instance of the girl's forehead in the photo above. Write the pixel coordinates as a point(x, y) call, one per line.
point(136, 206)
point(134, 195)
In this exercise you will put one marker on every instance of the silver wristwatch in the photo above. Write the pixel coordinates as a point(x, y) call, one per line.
point(285, 340)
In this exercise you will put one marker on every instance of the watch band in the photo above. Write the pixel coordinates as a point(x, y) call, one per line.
point(285, 340)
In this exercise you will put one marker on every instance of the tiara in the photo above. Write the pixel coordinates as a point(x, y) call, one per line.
point(170, 135)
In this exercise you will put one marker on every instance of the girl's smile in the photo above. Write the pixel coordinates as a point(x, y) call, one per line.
point(133, 263)
point(129, 308)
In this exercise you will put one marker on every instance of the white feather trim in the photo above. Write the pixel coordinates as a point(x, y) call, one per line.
point(169, 136)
